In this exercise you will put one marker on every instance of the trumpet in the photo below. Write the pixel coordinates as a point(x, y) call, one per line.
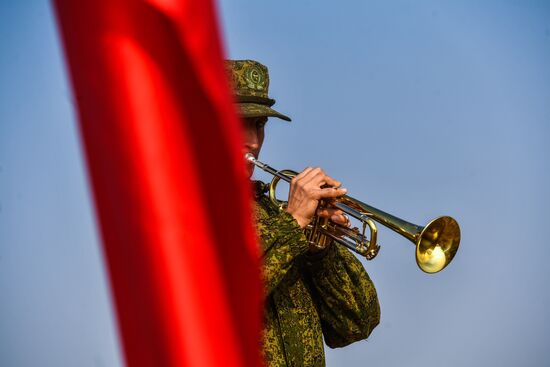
point(436, 243)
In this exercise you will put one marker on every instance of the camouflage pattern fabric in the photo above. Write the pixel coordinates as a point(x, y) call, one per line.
point(309, 296)
point(250, 83)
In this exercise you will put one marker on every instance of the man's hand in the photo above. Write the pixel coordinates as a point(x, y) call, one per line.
point(306, 190)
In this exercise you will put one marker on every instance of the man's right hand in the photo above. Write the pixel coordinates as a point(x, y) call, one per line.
point(306, 190)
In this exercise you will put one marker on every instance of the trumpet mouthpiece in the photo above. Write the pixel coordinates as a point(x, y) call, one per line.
point(249, 157)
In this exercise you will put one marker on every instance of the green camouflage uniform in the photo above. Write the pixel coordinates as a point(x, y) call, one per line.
point(307, 296)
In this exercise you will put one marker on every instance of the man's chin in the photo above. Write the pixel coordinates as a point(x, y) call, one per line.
point(250, 170)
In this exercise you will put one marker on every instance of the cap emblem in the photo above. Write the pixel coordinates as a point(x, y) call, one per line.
point(255, 78)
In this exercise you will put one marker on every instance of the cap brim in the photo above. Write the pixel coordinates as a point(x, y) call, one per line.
point(259, 110)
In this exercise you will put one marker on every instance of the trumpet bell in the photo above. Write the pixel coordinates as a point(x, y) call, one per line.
point(437, 244)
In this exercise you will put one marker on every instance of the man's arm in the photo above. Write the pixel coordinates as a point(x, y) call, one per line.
point(282, 232)
point(283, 242)
point(344, 295)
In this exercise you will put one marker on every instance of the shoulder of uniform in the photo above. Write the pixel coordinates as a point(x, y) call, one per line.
point(262, 199)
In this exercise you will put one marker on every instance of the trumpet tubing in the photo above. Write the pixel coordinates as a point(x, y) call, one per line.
point(436, 243)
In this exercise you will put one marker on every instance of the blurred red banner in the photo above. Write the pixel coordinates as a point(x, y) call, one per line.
point(164, 154)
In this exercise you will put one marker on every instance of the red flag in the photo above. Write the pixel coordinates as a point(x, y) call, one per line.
point(163, 148)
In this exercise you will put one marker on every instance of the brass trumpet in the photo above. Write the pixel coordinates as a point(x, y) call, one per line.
point(436, 243)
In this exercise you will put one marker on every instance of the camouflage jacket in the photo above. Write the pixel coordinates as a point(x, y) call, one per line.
point(308, 296)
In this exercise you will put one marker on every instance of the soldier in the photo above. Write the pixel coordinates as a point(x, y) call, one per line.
point(310, 293)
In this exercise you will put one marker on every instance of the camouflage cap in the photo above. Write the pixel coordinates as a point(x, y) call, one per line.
point(250, 81)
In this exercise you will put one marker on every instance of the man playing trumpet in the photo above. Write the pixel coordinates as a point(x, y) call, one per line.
point(309, 292)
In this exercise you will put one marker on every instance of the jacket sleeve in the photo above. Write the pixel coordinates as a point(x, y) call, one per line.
point(283, 242)
point(344, 295)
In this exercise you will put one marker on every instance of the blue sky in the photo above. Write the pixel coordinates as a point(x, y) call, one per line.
point(420, 108)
